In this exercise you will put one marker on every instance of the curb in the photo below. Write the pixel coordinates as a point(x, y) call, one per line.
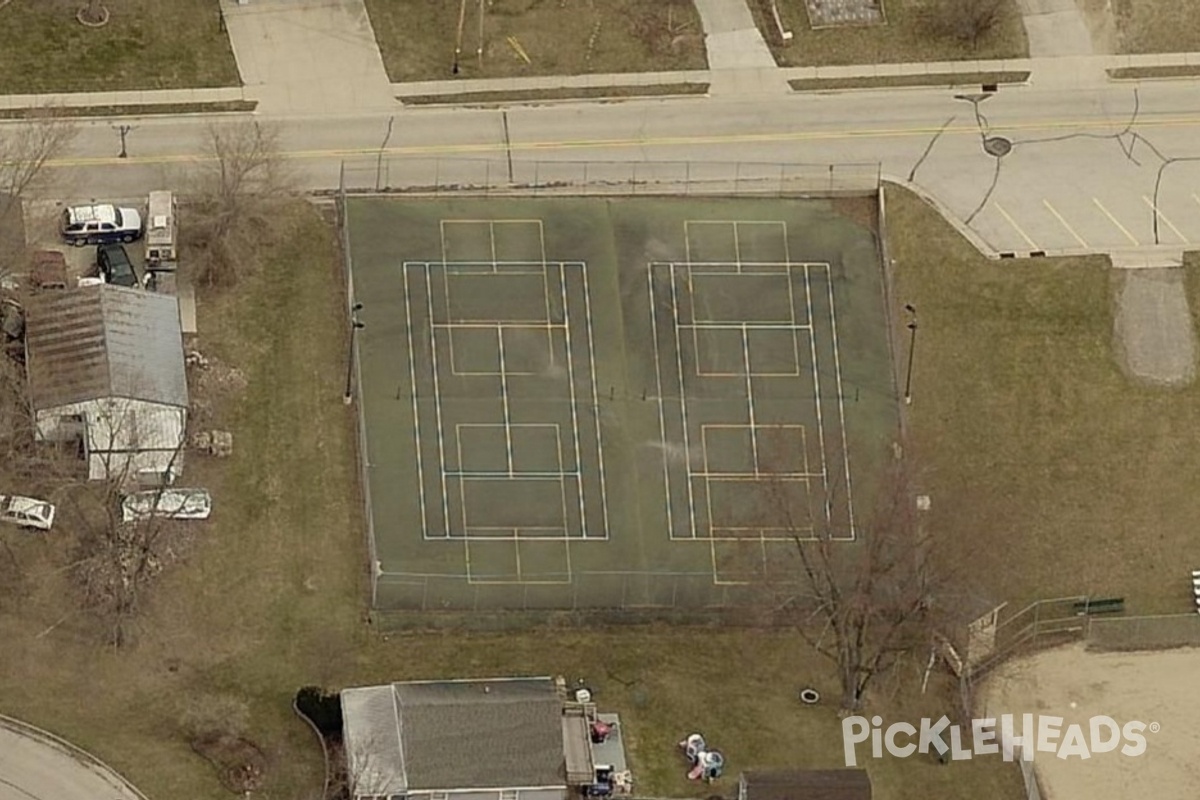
point(74, 751)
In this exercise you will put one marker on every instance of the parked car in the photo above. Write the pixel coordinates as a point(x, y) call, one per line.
point(26, 512)
point(171, 503)
point(99, 224)
point(115, 266)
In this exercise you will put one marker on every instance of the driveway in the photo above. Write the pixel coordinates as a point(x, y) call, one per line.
point(35, 765)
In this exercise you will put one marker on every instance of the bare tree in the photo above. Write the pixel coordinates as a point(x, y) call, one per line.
point(234, 215)
point(969, 21)
point(119, 558)
point(861, 604)
point(26, 149)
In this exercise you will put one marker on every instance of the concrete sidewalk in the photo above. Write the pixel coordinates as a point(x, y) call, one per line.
point(738, 57)
point(1082, 68)
point(308, 56)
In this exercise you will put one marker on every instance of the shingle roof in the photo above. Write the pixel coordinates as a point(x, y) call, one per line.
point(457, 735)
point(92, 342)
point(803, 784)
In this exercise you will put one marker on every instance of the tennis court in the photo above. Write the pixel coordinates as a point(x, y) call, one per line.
point(577, 403)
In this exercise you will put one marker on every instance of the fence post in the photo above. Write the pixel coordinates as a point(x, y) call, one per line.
point(487, 178)
point(737, 177)
point(633, 179)
point(687, 178)
point(585, 177)
point(437, 176)
point(537, 177)
point(779, 193)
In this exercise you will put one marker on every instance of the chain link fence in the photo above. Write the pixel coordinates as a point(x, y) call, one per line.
point(616, 592)
point(503, 175)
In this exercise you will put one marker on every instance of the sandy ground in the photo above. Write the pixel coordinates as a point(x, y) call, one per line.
point(1074, 684)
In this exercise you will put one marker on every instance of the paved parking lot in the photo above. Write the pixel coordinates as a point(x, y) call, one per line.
point(1097, 212)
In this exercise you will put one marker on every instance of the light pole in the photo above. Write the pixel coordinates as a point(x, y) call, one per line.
point(355, 327)
point(912, 346)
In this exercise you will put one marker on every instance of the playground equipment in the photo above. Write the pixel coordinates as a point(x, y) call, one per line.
point(705, 764)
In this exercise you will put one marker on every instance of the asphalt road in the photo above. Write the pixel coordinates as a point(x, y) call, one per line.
point(1091, 170)
point(34, 769)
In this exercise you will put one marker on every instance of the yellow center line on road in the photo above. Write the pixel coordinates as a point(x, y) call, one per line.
point(1032, 244)
point(1163, 217)
point(1065, 224)
point(666, 141)
point(1116, 222)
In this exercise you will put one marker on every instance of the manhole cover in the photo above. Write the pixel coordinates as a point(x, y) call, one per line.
point(997, 146)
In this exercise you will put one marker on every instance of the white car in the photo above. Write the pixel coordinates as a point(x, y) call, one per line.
point(26, 512)
point(171, 503)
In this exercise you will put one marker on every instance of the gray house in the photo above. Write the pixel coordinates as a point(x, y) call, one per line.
point(499, 739)
point(106, 364)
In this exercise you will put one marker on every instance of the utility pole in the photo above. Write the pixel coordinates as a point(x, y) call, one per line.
point(355, 326)
point(912, 346)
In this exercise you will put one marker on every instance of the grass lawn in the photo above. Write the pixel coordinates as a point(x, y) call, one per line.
point(1157, 26)
point(271, 598)
point(1051, 474)
point(147, 44)
point(909, 35)
point(418, 37)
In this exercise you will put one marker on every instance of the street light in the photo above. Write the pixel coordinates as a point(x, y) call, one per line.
point(912, 346)
point(355, 327)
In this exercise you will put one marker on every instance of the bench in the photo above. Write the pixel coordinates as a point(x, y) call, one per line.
point(1107, 605)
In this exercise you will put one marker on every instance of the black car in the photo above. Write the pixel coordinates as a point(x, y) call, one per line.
point(115, 266)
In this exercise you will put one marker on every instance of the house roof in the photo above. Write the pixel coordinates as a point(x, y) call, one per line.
point(92, 342)
point(803, 784)
point(441, 735)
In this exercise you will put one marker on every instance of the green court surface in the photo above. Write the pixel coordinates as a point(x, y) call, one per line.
point(598, 403)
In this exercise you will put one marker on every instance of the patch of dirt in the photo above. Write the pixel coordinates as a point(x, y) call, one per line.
point(1154, 332)
point(863, 211)
point(213, 384)
point(240, 763)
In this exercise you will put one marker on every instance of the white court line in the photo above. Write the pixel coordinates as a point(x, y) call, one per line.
point(812, 339)
point(1163, 217)
point(1032, 244)
point(485, 475)
point(504, 402)
point(497, 323)
point(412, 376)
point(687, 444)
point(750, 398)
point(437, 394)
point(1116, 222)
point(662, 417)
point(737, 249)
point(1063, 222)
point(837, 368)
point(562, 277)
point(587, 314)
point(738, 326)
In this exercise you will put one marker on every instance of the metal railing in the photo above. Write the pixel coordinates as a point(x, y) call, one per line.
point(507, 174)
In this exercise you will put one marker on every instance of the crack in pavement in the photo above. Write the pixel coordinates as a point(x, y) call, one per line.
point(1127, 139)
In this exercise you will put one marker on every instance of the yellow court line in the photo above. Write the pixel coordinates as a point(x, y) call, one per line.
point(670, 141)
point(1163, 217)
point(1065, 224)
point(1016, 227)
point(1116, 222)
